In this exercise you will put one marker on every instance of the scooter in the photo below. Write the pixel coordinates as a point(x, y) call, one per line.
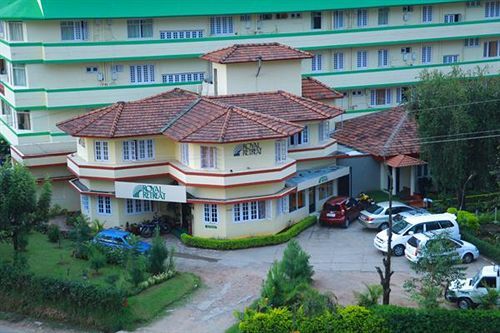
point(148, 228)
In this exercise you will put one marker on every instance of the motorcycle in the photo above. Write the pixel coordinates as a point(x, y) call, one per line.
point(364, 200)
point(147, 229)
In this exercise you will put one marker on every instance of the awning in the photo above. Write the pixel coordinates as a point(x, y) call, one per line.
point(309, 178)
point(401, 161)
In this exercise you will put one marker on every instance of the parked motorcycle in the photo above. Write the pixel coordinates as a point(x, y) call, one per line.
point(364, 200)
point(147, 229)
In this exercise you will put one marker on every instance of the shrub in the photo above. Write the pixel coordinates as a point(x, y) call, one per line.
point(278, 320)
point(410, 320)
point(243, 243)
point(370, 297)
point(275, 287)
point(485, 248)
point(295, 264)
point(54, 233)
point(136, 269)
point(468, 220)
point(157, 255)
point(357, 319)
point(97, 259)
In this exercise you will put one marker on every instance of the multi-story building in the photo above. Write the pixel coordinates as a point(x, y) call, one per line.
point(59, 59)
point(249, 158)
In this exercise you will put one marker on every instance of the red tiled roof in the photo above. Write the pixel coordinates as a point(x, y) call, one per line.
point(181, 115)
point(253, 52)
point(401, 161)
point(314, 89)
point(371, 132)
point(282, 105)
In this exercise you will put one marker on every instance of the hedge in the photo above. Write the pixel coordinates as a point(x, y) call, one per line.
point(410, 320)
point(243, 243)
point(485, 248)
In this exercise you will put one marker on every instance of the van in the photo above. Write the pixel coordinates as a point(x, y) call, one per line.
point(406, 226)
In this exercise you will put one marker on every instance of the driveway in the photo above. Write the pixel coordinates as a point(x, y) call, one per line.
point(343, 260)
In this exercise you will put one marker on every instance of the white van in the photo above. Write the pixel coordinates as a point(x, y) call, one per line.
point(406, 226)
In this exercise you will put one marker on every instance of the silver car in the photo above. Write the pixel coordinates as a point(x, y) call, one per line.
point(376, 216)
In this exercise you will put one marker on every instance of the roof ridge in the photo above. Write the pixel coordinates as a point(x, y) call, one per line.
point(120, 106)
point(231, 50)
point(301, 102)
point(226, 124)
point(86, 115)
point(180, 114)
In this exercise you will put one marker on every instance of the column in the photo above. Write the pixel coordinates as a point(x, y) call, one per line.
point(412, 180)
point(394, 181)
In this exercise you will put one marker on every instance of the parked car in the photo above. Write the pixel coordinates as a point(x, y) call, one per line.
point(466, 251)
point(406, 227)
point(467, 293)
point(339, 211)
point(376, 216)
point(116, 238)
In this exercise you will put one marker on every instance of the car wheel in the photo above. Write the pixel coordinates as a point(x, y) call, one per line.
point(383, 226)
point(398, 250)
point(346, 223)
point(468, 258)
point(464, 303)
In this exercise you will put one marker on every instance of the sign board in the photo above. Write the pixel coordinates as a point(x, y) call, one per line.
point(153, 192)
point(313, 181)
point(247, 149)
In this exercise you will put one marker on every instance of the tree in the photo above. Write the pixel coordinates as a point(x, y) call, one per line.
point(447, 107)
point(438, 266)
point(295, 264)
point(19, 205)
point(4, 150)
point(158, 254)
point(97, 259)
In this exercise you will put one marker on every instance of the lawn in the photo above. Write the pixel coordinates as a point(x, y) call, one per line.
point(48, 259)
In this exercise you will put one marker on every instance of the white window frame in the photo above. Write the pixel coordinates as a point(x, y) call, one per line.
point(450, 58)
point(281, 151)
point(362, 59)
point(283, 205)
point(136, 207)
point(101, 151)
point(27, 120)
point(221, 25)
point(183, 77)
point(338, 61)
point(184, 147)
point(451, 18)
point(19, 75)
point(142, 74)
point(104, 206)
point(426, 54)
point(299, 139)
point(338, 19)
point(138, 150)
point(489, 51)
point(181, 34)
point(427, 14)
point(317, 63)
point(471, 42)
point(324, 130)
point(492, 9)
point(250, 211)
point(143, 31)
point(208, 157)
point(383, 58)
point(362, 17)
point(328, 190)
point(211, 214)
point(3, 30)
point(383, 16)
point(85, 204)
point(80, 30)
point(314, 17)
point(374, 100)
point(20, 26)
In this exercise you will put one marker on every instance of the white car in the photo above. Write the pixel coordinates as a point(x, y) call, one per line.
point(467, 293)
point(376, 216)
point(406, 226)
point(467, 252)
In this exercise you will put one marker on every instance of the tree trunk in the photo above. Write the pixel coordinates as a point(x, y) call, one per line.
point(15, 240)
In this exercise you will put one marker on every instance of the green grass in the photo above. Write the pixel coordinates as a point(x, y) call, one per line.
point(379, 196)
point(233, 329)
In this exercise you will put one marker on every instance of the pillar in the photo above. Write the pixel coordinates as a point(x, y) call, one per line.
point(412, 180)
point(394, 190)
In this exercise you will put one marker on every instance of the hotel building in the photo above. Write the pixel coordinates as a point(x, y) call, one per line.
point(60, 59)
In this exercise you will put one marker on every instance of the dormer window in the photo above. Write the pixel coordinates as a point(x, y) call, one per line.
point(324, 130)
point(300, 138)
point(101, 149)
point(138, 150)
point(208, 157)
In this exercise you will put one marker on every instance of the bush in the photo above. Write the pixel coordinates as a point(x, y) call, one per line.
point(157, 255)
point(243, 243)
point(97, 259)
point(278, 320)
point(468, 220)
point(370, 297)
point(295, 264)
point(485, 248)
point(54, 233)
point(357, 319)
point(410, 320)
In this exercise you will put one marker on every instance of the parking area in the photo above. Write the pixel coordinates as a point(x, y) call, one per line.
point(343, 260)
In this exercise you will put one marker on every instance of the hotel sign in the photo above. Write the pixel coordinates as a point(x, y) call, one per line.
point(247, 149)
point(153, 192)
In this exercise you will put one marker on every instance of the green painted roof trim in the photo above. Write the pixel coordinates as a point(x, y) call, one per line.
point(67, 9)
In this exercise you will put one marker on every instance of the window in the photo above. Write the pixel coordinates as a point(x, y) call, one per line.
point(362, 59)
point(283, 205)
point(2, 29)
point(281, 151)
point(446, 224)
point(101, 151)
point(210, 214)
point(296, 15)
point(16, 33)
point(383, 58)
point(221, 25)
point(297, 201)
point(383, 16)
point(402, 95)
point(492, 9)
point(249, 211)
point(407, 9)
point(299, 138)
point(103, 205)
point(22, 120)
point(338, 61)
point(450, 59)
point(74, 30)
point(488, 282)
point(491, 49)
point(183, 77)
point(429, 226)
point(426, 54)
point(181, 34)
point(362, 16)
point(324, 130)
point(380, 97)
point(316, 20)
point(325, 190)
point(427, 14)
point(134, 206)
point(185, 153)
point(281, 16)
point(316, 64)
point(19, 75)
point(208, 157)
point(473, 3)
point(140, 28)
point(85, 204)
point(140, 74)
point(452, 18)
point(265, 17)
point(138, 150)
point(471, 42)
point(338, 19)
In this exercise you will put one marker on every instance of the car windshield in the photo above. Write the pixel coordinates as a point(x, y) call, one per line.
point(458, 241)
point(334, 208)
point(476, 278)
point(399, 227)
point(374, 209)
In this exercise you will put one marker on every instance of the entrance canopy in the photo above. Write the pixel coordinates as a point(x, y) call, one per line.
point(401, 161)
point(309, 178)
point(154, 192)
